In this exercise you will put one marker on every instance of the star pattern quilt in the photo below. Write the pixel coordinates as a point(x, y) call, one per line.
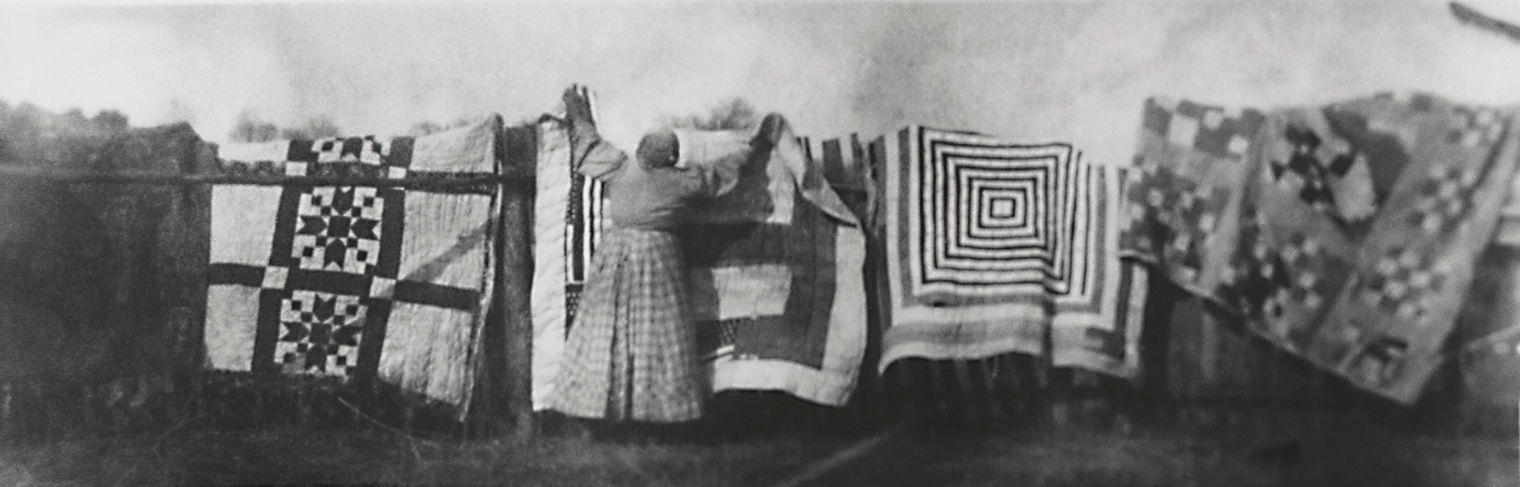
point(356, 283)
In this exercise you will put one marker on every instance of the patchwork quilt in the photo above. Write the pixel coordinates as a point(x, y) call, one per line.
point(993, 247)
point(780, 302)
point(776, 274)
point(1346, 233)
point(357, 283)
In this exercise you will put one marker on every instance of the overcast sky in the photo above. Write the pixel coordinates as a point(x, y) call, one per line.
point(1029, 71)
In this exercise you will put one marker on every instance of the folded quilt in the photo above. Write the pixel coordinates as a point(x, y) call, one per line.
point(1346, 234)
point(568, 222)
point(355, 282)
point(992, 247)
point(846, 167)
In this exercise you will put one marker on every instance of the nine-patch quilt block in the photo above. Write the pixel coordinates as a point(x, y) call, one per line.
point(1352, 233)
point(1186, 184)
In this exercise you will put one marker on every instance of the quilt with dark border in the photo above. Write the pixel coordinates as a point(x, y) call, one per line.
point(993, 247)
point(355, 283)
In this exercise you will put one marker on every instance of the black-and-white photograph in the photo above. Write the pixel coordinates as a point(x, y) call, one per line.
point(760, 243)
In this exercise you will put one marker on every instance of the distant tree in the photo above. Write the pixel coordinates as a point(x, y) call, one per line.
point(733, 113)
point(27, 114)
point(107, 119)
point(425, 128)
point(6, 126)
point(22, 122)
point(313, 128)
point(250, 128)
point(73, 117)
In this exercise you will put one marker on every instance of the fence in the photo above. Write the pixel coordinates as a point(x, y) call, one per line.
point(1197, 369)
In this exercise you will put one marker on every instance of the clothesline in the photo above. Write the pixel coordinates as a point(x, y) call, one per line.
point(1469, 15)
point(9, 170)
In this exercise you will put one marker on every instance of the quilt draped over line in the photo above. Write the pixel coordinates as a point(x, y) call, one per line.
point(1346, 234)
point(776, 270)
point(993, 247)
point(356, 282)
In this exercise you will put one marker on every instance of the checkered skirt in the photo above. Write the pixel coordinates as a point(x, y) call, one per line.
point(631, 352)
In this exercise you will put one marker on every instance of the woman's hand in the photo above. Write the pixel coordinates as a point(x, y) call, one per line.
point(577, 106)
point(583, 136)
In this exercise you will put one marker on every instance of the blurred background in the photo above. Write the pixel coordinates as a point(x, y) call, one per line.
point(1028, 70)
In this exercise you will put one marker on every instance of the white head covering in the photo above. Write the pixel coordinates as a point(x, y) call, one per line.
point(716, 155)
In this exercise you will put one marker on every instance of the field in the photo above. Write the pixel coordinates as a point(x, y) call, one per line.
point(1340, 451)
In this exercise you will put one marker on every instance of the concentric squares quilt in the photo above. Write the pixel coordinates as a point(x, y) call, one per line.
point(995, 247)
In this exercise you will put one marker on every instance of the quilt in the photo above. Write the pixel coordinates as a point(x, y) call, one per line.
point(776, 272)
point(780, 301)
point(388, 281)
point(995, 247)
point(1180, 209)
point(567, 224)
point(1355, 226)
point(847, 167)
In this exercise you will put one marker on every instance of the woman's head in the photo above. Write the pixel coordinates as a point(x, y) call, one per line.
point(658, 149)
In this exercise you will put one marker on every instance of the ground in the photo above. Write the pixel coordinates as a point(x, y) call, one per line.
point(1333, 454)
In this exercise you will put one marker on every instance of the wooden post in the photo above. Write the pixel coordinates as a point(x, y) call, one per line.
point(5, 409)
point(515, 274)
point(987, 387)
point(1058, 391)
point(1007, 390)
point(964, 407)
point(195, 228)
point(1154, 351)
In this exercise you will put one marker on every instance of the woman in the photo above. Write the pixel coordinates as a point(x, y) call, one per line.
point(631, 353)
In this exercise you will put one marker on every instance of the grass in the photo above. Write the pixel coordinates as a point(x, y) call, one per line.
point(1342, 453)
point(1181, 459)
point(371, 456)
